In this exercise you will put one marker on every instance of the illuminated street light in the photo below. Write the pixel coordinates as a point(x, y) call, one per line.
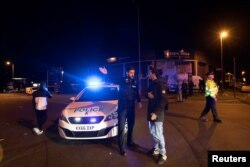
point(112, 59)
point(8, 63)
point(223, 35)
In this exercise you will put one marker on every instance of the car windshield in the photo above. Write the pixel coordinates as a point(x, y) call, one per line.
point(99, 94)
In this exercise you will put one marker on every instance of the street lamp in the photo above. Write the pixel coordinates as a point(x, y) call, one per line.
point(223, 35)
point(139, 46)
point(112, 59)
point(8, 63)
point(139, 43)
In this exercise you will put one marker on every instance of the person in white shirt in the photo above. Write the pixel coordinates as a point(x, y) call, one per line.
point(40, 105)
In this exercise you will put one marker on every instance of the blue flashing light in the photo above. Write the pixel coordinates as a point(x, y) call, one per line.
point(93, 120)
point(94, 82)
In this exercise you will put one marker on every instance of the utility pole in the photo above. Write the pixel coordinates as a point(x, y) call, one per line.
point(139, 46)
point(234, 77)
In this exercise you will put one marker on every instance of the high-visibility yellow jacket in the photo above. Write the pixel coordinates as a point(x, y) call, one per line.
point(211, 88)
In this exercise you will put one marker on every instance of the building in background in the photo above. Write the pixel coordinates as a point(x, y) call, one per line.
point(55, 79)
point(177, 65)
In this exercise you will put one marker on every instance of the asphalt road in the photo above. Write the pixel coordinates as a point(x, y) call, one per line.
point(187, 139)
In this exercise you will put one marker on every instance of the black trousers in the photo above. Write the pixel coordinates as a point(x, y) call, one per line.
point(41, 117)
point(126, 112)
point(210, 104)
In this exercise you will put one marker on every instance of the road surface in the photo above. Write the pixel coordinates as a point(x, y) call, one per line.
point(187, 139)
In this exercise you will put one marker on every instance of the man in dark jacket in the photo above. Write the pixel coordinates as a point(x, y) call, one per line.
point(40, 105)
point(184, 88)
point(128, 93)
point(164, 88)
point(155, 116)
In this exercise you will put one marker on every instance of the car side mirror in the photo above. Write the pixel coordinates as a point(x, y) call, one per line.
point(72, 99)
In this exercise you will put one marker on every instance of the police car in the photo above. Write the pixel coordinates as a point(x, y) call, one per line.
point(92, 114)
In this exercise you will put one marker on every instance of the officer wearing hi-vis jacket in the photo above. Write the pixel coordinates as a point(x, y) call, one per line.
point(128, 94)
point(211, 91)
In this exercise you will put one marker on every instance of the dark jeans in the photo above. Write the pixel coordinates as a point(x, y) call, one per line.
point(210, 104)
point(41, 117)
point(184, 94)
point(127, 112)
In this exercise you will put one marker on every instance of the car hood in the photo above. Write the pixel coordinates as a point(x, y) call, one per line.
point(100, 108)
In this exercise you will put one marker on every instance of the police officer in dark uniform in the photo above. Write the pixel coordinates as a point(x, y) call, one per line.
point(128, 93)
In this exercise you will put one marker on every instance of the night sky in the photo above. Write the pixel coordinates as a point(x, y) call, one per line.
point(38, 35)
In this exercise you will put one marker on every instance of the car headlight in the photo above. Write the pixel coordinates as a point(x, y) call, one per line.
point(113, 115)
point(63, 118)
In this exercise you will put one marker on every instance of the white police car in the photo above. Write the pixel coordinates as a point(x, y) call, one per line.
point(92, 114)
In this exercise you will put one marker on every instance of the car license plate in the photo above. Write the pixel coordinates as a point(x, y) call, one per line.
point(85, 128)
